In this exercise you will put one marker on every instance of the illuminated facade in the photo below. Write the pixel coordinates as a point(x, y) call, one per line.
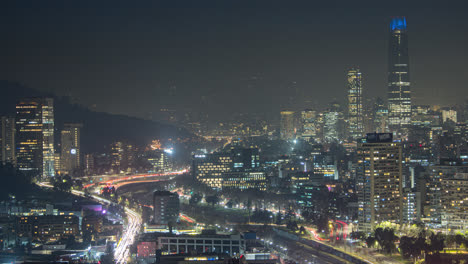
point(159, 160)
point(204, 243)
point(449, 114)
point(35, 136)
point(446, 191)
point(379, 181)
point(238, 169)
point(70, 144)
point(7, 140)
point(57, 163)
point(244, 180)
point(47, 228)
point(329, 171)
point(116, 154)
point(411, 206)
point(309, 125)
point(48, 150)
point(355, 113)
point(209, 168)
point(399, 93)
point(330, 127)
point(299, 179)
point(288, 125)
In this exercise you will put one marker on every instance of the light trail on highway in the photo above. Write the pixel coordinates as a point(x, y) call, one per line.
point(122, 251)
point(139, 176)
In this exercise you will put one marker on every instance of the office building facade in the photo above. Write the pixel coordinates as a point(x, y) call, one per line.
point(309, 125)
point(355, 111)
point(399, 92)
point(446, 194)
point(288, 125)
point(379, 181)
point(204, 243)
point(238, 168)
point(7, 140)
point(166, 208)
point(35, 136)
point(70, 148)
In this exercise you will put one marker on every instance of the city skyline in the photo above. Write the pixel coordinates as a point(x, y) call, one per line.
point(278, 57)
point(230, 132)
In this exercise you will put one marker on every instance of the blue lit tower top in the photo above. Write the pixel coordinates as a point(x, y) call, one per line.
point(398, 23)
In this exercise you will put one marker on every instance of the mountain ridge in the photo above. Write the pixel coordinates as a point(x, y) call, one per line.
point(99, 128)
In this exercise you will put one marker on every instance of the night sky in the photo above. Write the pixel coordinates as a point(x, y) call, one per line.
point(224, 56)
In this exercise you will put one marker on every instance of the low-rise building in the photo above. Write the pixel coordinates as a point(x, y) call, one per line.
point(47, 227)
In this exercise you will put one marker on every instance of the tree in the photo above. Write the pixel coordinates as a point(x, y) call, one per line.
point(459, 239)
point(321, 221)
point(386, 238)
point(279, 219)
point(302, 230)
point(63, 183)
point(292, 225)
point(406, 244)
point(195, 199)
point(436, 242)
point(212, 199)
point(450, 240)
point(370, 241)
point(358, 235)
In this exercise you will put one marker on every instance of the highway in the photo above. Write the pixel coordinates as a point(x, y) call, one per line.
point(132, 229)
point(104, 179)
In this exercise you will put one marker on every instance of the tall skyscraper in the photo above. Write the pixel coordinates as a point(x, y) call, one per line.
point(35, 136)
point(288, 125)
point(355, 111)
point(7, 140)
point(70, 148)
point(399, 93)
point(379, 181)
point(48, 137)
point(116, 154)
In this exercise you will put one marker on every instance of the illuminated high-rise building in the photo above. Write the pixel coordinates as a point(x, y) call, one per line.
point(446, 195)
point(330, 126)
point(70, 144)
point(379, 181)
point(309, 125)
point(48, 149)
point(399, 93)
point(288, 125)
point(116, 154)
point(7, 140)
point(355, 111)
point(35, 136)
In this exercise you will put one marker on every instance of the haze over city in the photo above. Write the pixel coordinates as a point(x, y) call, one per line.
point(227, 132)
point(196, 55)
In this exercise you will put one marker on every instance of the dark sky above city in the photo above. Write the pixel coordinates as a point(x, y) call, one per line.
point(134, 57)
